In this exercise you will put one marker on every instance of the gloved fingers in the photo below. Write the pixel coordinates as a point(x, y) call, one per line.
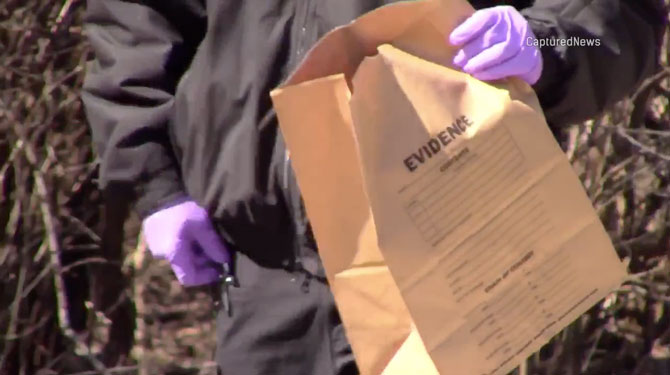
point(183, 235)
point(192, 267)
point(534, 74)
point(182, 266)
point(159, 246)
point(164, 229)
point(512, 67)
point(181, 274)
point(205, 274)
point(211, 244)
point(475, 47)
point(200, 259)
point(501, 42)
point(475, 25)
point(490, 57)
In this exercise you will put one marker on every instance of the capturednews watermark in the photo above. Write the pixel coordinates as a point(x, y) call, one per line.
point(573, 41)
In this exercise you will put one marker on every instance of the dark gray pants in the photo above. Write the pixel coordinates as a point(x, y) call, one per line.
point(282, 323)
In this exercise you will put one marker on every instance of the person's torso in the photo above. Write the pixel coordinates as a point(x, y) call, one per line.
point(224, 130)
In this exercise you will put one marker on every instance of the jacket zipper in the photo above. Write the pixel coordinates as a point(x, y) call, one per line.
point(287, 158)
point(299, 51)
point(299, 218)
point(301, 15)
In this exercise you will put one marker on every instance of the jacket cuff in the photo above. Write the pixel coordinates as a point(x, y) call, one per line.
point(161, 191)
point(551, 88)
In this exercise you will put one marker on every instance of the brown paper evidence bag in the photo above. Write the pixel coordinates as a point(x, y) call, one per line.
point(455, 236)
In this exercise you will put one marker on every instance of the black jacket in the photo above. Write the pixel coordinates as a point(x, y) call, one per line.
point(178, 96)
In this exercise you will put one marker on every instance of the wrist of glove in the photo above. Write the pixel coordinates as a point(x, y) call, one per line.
point(184, 235)
point(497, 43)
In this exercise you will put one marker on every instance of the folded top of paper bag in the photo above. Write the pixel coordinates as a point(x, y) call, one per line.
point(417, 27)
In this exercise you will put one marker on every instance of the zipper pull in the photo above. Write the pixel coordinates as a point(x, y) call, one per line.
point(228, 281)
point(305, 283)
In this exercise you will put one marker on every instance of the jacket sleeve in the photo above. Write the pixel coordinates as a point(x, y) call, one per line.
point(580, 82)
point(141, 51)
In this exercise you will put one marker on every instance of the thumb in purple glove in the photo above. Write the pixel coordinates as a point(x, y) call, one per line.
point(183, 234)
point(497, 43)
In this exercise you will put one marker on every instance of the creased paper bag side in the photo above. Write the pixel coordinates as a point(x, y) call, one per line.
point(327, 167)
point(504, 241)
point(418, 27)
point(378, 328)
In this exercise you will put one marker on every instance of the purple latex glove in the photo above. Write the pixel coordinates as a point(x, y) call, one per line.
point(496, 43)
point(183, 234)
